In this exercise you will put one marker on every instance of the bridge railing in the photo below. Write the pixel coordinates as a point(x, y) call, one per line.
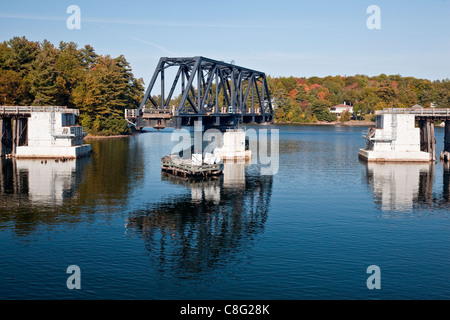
point(29, 109)
point(130, 113)
point(420, 112)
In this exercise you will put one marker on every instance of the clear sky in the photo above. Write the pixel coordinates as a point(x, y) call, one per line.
point(278, 37)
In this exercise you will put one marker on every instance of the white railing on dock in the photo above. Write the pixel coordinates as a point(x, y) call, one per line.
point(70, 132)
point(130, 113)
point(77, 131)
point(420, 112)
point(29, 109)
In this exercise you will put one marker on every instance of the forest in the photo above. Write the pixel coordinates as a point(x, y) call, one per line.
point(307, 100)
point(102, 87)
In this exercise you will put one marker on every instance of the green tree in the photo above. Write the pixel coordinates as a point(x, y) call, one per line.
point(442, 93)
point(108, 90)
point(69, 65)
point(43, 77)
point(11, 88)
point(21, 55)
point(345, 116)
point(88, 57)
point(320, 109)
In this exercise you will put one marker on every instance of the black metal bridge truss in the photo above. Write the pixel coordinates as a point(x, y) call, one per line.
point(220, 95)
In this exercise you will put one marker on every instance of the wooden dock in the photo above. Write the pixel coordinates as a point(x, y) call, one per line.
point(184, 167)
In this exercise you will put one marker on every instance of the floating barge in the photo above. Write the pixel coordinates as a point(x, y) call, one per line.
point(186, 167)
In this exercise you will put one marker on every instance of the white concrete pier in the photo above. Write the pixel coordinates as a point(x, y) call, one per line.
point(233, 147)
point(42, 132)
point(394, 139)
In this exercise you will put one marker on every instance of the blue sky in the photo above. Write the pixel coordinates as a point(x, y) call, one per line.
point(278, 37)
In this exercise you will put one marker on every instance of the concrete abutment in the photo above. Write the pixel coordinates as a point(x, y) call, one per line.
point(395, 137)
point(41, 132)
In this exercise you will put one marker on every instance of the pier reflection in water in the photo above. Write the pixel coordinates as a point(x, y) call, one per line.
point(446, 182)
point(42, 181)
point(208, 226)
point(33, 192)
point(48, 192)
point(404, 186)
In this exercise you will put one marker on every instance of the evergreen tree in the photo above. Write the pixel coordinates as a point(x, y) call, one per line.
point(43, 76)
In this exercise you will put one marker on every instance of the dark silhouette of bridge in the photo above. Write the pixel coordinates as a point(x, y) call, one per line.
point(218, 94)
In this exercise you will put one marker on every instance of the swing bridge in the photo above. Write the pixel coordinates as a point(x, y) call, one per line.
point(219, 95)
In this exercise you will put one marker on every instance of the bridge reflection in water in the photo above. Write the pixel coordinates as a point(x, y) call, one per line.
point(202, 229)
point(403, 187)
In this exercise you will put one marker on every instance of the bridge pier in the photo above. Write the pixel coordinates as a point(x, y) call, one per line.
point(40, 132)
point(395, 137)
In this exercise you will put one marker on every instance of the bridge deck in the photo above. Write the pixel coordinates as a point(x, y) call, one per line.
point(25, 111)
point(421, 114)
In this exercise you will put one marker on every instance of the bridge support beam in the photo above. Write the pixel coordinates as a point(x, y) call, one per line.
point(445, 155)
point(19, 133)
point(6, 136)
point(447, 136)
point(427, 140)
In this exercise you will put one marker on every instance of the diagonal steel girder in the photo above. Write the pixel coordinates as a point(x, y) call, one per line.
point(236, 86)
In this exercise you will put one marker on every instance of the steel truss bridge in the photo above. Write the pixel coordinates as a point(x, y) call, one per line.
point(220, 95)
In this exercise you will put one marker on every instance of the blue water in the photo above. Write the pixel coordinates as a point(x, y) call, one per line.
point(308, 232)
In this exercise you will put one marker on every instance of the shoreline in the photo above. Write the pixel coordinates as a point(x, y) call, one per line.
point(132, 134)
point(334, 123)
point(320, 123)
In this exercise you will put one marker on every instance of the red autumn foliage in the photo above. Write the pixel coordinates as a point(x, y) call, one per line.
point(315, 86)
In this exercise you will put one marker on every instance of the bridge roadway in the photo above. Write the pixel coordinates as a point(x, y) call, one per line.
point(433, 114)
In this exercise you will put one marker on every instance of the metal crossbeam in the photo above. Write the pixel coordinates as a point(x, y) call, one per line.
point(217, 93)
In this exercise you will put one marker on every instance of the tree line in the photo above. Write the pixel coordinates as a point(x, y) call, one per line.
point(101, 87)
point(308, 99)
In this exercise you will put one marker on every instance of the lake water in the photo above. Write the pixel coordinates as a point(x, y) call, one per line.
point(308, 232)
